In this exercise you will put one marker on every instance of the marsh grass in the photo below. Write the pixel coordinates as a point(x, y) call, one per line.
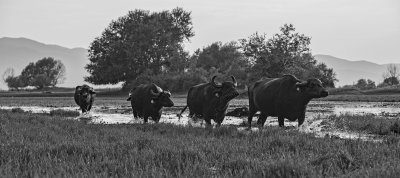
point(37, 145)
point(369, 123)
point(64, 113)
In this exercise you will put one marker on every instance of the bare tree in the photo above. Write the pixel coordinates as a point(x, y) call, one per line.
point(8, 73)
point(391, 75)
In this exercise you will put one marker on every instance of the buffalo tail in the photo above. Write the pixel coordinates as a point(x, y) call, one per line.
point(180, 114)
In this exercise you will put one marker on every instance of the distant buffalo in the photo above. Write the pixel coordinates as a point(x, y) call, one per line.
point(84, 97)
point(285, 97)
point(147, 100)
point(239, 112)
point(210, 100)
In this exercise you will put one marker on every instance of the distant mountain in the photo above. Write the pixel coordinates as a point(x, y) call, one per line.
point(19, 52)
point(348, 72)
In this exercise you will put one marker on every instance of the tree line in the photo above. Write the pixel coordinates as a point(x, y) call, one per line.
point(145, 46)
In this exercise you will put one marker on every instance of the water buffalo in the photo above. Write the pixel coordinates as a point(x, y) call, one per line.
point(285, 97)
point(84, 97)
point(147, 100)
point(210, 100)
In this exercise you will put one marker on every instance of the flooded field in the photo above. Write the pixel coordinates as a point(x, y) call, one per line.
point(117, 111)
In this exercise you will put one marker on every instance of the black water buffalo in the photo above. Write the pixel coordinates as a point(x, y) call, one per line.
point(147, 100)
point(84, 97)
point(210, 100)
point(285, 97)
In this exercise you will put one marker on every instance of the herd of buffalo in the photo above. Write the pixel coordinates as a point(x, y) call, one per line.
point(284, 97)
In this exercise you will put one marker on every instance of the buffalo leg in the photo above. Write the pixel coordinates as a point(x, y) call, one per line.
point(156, 117)
point(146, 118)
point(261, 119)
point(281, 121)
point(218, 124)
point(300, 120)
point(83, 110)
point(135, 115)
point(250, 117)
point(208, 122)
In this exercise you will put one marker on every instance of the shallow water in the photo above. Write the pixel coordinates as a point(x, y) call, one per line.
point(316, 109)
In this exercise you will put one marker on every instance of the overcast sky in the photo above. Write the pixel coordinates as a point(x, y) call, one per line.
point(350, 29)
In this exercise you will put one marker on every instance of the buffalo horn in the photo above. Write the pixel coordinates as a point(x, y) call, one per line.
point(234, 80)
point(168, 93)
point(301, 84)
point(214, 84)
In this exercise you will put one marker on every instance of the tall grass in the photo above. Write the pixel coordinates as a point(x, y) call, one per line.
point(34, 145)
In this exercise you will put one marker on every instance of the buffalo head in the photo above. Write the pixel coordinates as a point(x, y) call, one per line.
point(225, 91)
point(313, 88)
point(84, 91)
point(161, 97)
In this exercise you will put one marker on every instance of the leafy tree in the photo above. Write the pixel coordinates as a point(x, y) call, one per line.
point(222, 59)
point(285, 53)
point(364, 84)
point(45, 72)
point(137, 42)
point(370, 84)
point(12, 81)
point(361, 84)
point(391, 81)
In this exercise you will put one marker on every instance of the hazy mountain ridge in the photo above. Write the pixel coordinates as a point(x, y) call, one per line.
point(348, 72)
point(18, 52)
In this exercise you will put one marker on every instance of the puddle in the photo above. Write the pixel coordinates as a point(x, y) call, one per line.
point(316, 109)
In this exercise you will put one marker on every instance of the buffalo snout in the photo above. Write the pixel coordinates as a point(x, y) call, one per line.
point(324, 93)
point(170, 104)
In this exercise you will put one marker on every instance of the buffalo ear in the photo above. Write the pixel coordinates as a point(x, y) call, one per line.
point(78, 88)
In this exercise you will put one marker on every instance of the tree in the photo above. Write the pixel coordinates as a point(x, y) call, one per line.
point(285, 53)
point(364, 84)
point(390, 77)
point(370, 84)
point(12, 81)
point(45, 72)
point(361, 84)
point(137, 42)
point(9, 72)
point(225, 59)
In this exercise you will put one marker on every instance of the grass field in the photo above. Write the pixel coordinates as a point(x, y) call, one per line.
point(40, 145)
point(51, 145)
